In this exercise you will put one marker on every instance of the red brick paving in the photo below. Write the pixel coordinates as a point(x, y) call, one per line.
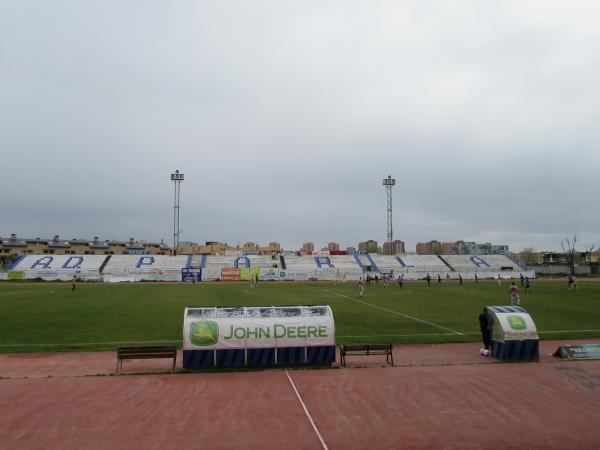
point(442, 396)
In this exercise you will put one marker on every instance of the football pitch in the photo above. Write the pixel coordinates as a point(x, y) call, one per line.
point(46, 317)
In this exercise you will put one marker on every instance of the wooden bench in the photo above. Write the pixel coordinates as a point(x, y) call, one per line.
point(367, 349)
point(145, 353)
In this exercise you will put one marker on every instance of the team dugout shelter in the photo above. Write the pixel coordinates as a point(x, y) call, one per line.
point(258, 336)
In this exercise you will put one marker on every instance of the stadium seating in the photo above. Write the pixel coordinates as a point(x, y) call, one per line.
point(364, 261)
point(60, 262)
point(480, 263)
point(59, 267)
point(344, 262)
point(501, 262)
point(334, 267)
point(423, 263)
point(124, 264)
point(263, 261)
point(300, 262)
point(386, 263)
point(145, 267)
point(217, 262)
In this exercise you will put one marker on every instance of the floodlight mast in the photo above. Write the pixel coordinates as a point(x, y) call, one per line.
point(389, 182)
point(177, 178)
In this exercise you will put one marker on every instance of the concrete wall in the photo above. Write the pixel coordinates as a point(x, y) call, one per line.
point(559, 269)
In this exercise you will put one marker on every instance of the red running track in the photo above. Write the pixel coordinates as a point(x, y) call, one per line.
point(550, 405)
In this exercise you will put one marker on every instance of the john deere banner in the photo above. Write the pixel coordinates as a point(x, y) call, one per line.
point(513, 326)
point(258, 327)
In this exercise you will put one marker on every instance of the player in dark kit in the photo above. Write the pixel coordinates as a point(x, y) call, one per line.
point(485, 326)
point(527, 285)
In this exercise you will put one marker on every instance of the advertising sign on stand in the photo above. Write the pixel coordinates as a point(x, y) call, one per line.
point(233, 337)
point(514, 334)
point(247, 273)
point(229, 274)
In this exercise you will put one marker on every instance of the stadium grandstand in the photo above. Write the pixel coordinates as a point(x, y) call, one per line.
point(145, 267)
point(117, 268)
point(423, 263)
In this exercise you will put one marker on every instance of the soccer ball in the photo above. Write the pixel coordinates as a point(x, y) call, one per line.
point(484, 352)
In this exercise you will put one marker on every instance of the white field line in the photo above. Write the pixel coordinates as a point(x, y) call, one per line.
point(568, 331)
point(312, 422)
point(245, 291)
point(81, 344)
point(399, 335)
point(396, 312)
point(26, 292)
point(450, 334)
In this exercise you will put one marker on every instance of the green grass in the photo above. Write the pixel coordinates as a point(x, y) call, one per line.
point(49, 317)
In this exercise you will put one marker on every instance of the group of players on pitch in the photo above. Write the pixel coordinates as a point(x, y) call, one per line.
point(513, 290)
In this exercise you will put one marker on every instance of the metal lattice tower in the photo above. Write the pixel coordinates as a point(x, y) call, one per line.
point(177, 178)
point(389, 182)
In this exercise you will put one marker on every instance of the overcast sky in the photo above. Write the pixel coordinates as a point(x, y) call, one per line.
point(286, 116)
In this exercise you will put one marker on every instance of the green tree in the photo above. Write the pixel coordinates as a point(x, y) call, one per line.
point(528, 256)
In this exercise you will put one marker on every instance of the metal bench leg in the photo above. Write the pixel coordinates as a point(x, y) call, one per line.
point(174, 362)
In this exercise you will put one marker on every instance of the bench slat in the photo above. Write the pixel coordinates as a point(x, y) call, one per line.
point(368, 350)
point(149, 352)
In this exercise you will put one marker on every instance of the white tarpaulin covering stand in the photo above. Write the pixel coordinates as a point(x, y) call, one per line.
point(254, 336)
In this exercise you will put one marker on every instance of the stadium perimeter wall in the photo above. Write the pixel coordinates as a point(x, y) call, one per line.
point(561, 269)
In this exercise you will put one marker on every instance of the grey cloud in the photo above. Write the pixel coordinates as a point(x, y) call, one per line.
point(285, 118)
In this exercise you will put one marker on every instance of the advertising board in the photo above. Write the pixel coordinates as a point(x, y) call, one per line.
point(269, 274)
point(258, 327)
point(247, 273)
point(230, 274)
point(514, 326)
point(579, 351)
